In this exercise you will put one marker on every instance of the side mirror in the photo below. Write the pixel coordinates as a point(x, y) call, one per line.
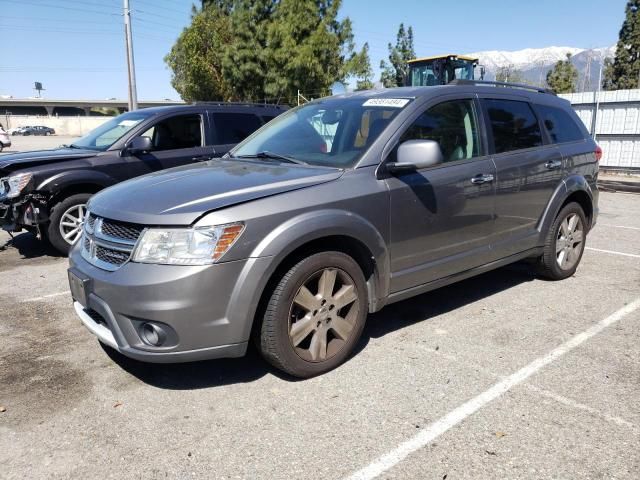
point(139, 145)
point(416, 154)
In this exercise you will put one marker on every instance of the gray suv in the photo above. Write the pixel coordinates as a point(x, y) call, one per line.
point(332, 211)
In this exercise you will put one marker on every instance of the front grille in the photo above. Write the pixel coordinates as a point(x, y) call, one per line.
point(91, 220)
point(125, 231)
point(108, 244)
point(114, 257)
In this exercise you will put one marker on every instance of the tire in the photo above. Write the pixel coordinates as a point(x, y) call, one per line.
point(54, 231)
point(292, 350)
point(564, 244)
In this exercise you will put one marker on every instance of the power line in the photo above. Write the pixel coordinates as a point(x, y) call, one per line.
point(45, 5)
point(155, 5)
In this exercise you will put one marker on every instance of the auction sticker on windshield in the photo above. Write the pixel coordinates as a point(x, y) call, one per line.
point(386, 102)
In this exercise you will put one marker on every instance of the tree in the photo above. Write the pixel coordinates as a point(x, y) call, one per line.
point(362, 69)
point(255, 50)
point(245, 61)
point(197, 56)
point(309, 49)
point(607, 79)
point(624, 71)
point(563, 77)
point(395, 72)
point(509, 73)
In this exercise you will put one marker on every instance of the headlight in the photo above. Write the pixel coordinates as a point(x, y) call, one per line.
point(186, 246)
point(10, 187)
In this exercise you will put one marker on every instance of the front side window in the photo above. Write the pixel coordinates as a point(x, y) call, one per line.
point(559, 124)
point(514, 125)
point(234, 127)
point(181, 131)
point(453, 125)
point(332, 132)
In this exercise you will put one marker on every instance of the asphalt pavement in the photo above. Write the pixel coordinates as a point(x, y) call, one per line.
point(501, 376)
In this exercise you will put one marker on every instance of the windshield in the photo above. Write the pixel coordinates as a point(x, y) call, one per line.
point(108, 133)
point(440, 73)
point(334, 132)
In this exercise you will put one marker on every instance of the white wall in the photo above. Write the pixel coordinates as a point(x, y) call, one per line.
point(74, 126)
point(617, 124)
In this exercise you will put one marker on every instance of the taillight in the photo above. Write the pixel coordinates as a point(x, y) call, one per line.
point(598, 153)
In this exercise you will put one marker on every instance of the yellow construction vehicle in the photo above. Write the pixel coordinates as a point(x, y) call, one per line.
point(442, 69)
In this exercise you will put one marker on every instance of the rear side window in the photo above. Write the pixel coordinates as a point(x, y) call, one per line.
point(559, 124)
point(514, 125)
point(234, 127)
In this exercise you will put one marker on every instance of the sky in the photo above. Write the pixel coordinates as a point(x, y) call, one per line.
point(75, 48)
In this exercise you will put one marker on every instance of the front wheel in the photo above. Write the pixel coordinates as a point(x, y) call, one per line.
point(315, 315)
point(565, 243)
point(66, 222)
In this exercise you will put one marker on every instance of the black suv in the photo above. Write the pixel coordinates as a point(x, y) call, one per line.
point(46, 191)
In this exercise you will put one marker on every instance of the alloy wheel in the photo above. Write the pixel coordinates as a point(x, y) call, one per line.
point(71, 223)
point(323, 314)
point(569, 242)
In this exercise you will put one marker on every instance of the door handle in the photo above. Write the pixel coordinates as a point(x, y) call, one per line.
point(201, 158)
point(482, 178)
point(553, 164)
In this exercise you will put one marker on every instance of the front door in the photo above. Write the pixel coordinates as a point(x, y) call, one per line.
point(441, 218)
point(176, 140)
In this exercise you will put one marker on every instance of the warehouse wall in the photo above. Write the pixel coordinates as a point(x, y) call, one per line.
point(617, 125)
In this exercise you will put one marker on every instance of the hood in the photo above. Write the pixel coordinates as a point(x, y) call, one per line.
point(179, 196)
point(10, 162)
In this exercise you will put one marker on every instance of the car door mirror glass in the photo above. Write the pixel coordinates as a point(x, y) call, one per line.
point(417, 154)
point(139, 145)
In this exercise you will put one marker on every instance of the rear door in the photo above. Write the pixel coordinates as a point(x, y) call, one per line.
point(177, 140)
point(528, 168)
point(228, 128)
point(441, 218)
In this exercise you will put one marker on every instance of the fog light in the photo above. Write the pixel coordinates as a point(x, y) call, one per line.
point(152, 334)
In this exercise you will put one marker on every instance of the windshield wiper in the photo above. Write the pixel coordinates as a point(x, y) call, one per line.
point(273, 155)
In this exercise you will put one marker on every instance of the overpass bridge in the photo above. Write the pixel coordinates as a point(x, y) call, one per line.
point(58, 107)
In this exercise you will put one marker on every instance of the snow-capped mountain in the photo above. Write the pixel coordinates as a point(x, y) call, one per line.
point(534, 63)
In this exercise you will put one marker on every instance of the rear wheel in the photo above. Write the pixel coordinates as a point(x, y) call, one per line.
point(315, 315)
point(66, 222)
point(565, 243)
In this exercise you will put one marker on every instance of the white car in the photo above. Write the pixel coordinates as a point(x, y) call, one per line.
point(5, 139)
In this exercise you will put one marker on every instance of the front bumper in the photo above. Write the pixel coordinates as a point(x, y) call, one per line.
point(206, 311)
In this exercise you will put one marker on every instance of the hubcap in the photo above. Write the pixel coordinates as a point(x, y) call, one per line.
point(320, 323)
point(71, 223)
point(569, 242)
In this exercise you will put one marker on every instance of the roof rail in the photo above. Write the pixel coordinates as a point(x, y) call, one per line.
point(522, 86)
point(239, 104)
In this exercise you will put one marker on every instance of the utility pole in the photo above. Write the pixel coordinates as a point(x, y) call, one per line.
point(131, 69)
point(595, 113)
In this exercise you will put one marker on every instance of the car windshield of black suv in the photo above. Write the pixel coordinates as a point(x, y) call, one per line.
point(333, 132)
point(110, 132)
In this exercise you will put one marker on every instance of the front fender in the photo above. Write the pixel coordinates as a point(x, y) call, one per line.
point(62, 180)
point(292, 234)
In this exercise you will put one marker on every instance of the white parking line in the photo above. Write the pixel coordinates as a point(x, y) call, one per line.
point(619, 226)
point(580, 406)
point(44, 297)
point(612, 252)
point(453, 418)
